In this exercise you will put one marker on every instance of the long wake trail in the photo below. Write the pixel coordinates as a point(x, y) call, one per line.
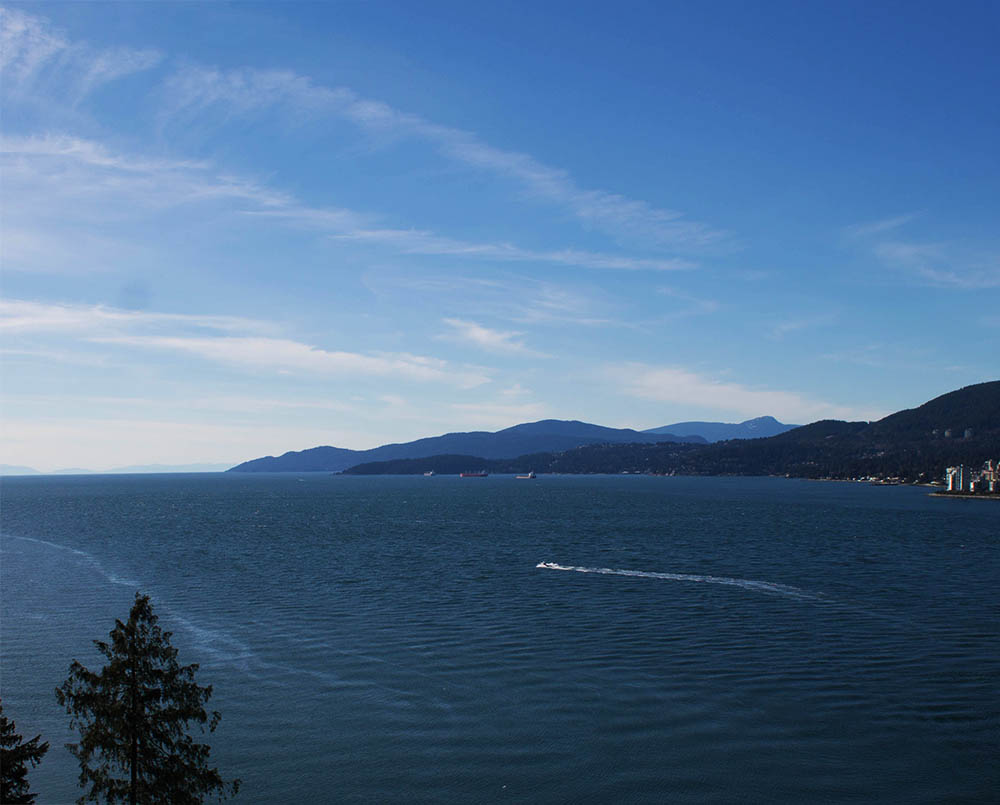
point(768, 587)
point(84, 558)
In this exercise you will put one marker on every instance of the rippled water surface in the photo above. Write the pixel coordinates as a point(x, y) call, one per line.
point(567, 639)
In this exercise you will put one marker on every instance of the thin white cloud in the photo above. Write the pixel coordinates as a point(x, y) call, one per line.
point(32, 246)
point(233, 406)
point(752, 274)
point(222, 339)
point(19, 316)
point(88, 152)
point(693, 305)
point(71, 206)
point(412, 241)
point(109, 65)
point(37, 61)
point(26, 43)
point(37, 355)
point(880, 227)
point(495, 416)
point(683, 387)
point(73, 181)
point(783, 328)
point(519, 298)
point(497, 341)
point(940, 265)
point(515, 392)
point(285, 356)
point(549, 303)
point(920, 360)
point(66, 169)
point(193, 91)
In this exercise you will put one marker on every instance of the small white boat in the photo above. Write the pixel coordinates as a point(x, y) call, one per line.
point(428, 474)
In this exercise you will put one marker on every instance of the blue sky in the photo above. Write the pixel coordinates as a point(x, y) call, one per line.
point(232, 230)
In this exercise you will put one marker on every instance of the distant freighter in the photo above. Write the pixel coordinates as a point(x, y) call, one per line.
point(480, 474)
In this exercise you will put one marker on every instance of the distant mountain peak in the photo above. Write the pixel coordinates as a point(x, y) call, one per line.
point(757, 428)
point(764, 423)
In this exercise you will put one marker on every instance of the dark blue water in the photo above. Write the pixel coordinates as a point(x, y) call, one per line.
point(393, 639)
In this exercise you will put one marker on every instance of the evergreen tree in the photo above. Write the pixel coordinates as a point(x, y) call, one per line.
point(133, 718)
point(15, 754)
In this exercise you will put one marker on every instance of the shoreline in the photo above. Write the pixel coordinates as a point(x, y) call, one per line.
point(963, 496)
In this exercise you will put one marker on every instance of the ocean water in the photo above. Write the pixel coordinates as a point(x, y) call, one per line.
point(567, 639)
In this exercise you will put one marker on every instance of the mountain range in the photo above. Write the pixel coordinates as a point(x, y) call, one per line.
point(547, 435)
point(960, 427)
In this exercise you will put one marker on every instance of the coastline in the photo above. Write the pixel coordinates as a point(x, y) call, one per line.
point(962, 496)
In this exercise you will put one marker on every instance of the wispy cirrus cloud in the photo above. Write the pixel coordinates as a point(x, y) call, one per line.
point(19, 316)
point(496, 416)
point(228, 404)
point(554, 304)
point(672, 384)
point(69, 168)
point(26, 44)
point(419, 242)
point(941, 265)
point(51, 175)
point(501, 342)
point(783, 328)
point(883, 356)
point(235, 341)
point(518, 298)
point(286, 355)
point(194, 91)
point(88, 152)
point(879, 227)
point(43, 63)
point(37, 60)
point(72, 206)
point(692, 305)
point(936, 263)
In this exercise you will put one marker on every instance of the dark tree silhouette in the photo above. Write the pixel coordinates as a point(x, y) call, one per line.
point(133, 718)
point(15, 756)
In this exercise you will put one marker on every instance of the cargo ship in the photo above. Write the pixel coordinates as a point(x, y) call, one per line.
point(480, 474)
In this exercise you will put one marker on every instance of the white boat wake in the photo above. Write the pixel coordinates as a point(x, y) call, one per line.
point(747, 584)
point(85, 558)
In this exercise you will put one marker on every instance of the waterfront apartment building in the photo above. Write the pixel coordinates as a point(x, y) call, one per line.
point(964, 479)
